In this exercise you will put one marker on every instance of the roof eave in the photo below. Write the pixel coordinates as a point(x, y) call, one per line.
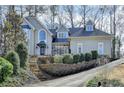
point(89, 36)
point(29, 23)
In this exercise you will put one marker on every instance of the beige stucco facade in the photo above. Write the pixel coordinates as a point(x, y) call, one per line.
point(91, 43)
point(75, 45)
point(34, 40)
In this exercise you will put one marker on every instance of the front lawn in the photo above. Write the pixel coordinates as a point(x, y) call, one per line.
point(112, 78)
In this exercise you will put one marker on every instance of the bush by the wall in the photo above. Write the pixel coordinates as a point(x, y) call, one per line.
point(66, 69)
point(94, 54)
point(13, 58)
point(81, 57)
point(67, 59)
point(42, 60)
point(51, 59)
point(45, 60)
point(76, 58)
point(88, 57)
point(22, 51)
point(58, 59)
point(6, 69)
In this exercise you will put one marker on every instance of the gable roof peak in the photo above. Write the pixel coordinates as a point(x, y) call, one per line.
point(62, 27)
point(37, 25)
point(89, 22)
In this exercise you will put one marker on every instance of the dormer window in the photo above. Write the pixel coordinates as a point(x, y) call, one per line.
point(62, 34)
point(89, 28)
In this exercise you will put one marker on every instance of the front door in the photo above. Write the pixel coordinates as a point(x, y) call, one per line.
point(42, 51)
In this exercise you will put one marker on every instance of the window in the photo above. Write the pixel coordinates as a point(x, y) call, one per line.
point(62, 34)
point(79, 48)
point(89, 28)
point(42, 36)
point(100, 48)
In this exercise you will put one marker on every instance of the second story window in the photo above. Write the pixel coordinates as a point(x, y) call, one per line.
point(62, 34)
point(89, 28)
point(42, 35)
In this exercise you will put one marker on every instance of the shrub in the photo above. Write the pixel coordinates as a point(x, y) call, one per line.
point(13, 58)
point(67, 59)
point(6, 69)
point(22, 51)
point(45, 60)
point(66, 69)
point(94, 54)
point(51, 59)
point(58, 59)
point(76, 58)
point(81, 57)
point(88, 57)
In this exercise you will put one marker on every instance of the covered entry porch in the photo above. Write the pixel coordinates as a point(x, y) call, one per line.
point(60, 48)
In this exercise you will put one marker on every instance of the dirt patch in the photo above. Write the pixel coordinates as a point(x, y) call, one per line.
point(109, 77)
point(117, 73)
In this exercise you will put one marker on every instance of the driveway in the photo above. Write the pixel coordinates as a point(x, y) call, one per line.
point(77, 80)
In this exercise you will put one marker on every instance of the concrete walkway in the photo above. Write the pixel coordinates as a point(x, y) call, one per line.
point(77, 80)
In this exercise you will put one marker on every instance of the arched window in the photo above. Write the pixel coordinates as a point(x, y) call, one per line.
point(42, 35)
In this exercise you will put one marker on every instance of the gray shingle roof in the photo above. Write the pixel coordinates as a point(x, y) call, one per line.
point(77, 32)
point(74, 32)
point(53, 31)
point(81, 32)
point(65, 40)
point(34, 22)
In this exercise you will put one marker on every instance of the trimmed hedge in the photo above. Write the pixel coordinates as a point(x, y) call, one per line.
point(13, 58)
point(58, 59)
point(82, 58)
point(45, 60)
point(94, 54)
point(76, 58)
point(88, 57)
point(66, 69)
point(6, 69)
point(22, 51)
point(67, 59)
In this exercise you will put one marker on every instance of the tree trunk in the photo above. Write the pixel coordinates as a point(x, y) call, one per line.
point(21, 11)
point(114, 33)
point(35, 10)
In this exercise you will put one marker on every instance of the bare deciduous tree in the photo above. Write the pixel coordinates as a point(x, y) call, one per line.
point(69, 10)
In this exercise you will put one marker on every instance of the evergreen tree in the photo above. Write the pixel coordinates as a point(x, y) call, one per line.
point(12, 32)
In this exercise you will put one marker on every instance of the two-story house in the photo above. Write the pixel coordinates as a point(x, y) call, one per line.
point(61, 40)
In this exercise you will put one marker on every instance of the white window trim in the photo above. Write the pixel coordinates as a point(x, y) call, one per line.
point(65, 35)
point(89, 28)
point(102, 48)
point(79, 44)
point(39, 34)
